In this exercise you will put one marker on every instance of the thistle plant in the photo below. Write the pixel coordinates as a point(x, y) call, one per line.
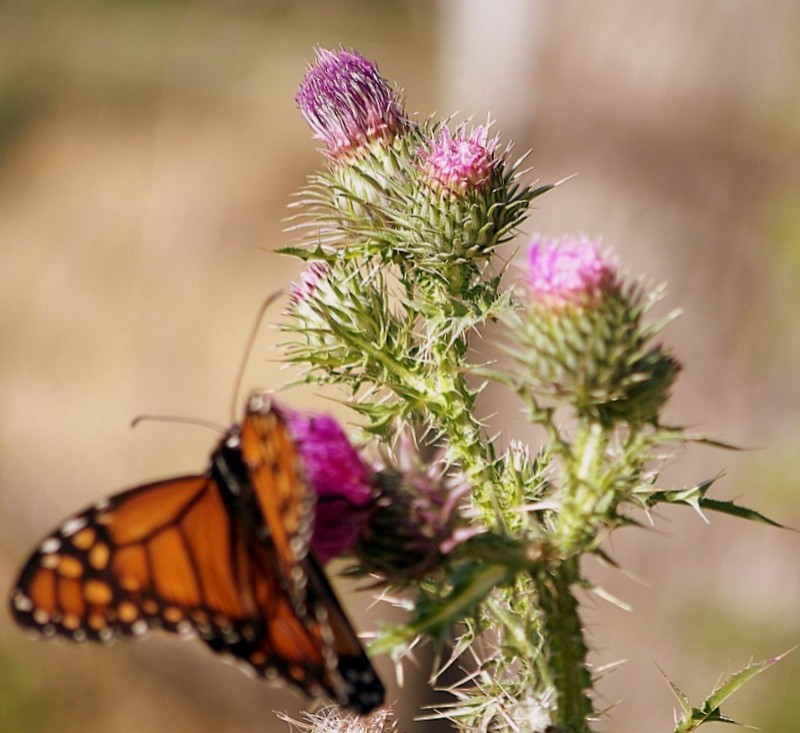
point(399, 233)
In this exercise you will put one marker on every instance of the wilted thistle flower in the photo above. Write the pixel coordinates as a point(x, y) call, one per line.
point(339, 478)
point(415, 521)
point(460, 161)
point(582, 335)
point(347, 103)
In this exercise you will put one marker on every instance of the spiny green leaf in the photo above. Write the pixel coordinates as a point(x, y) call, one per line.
point(695, 497)
point(436, 618)
point(680, 695)
point(709, 710)
point(728, 507)
point(735, 681)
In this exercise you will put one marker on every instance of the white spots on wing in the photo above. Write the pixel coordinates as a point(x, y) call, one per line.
point(185, 628)
point(229, 636)
point(71, 526)
point(50, 545)
point(22, 602)
point(139, 627)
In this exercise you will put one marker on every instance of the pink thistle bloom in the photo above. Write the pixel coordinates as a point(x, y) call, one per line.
point(347, 103)
point(305, 289)
point(570, 270)
point(461, 161)
point(339, 478)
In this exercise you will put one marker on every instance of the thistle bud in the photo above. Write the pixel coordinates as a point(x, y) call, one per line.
point(339, 478)
point(347, 103)
point(416, 521)
point(582, 335)
point(307, 305)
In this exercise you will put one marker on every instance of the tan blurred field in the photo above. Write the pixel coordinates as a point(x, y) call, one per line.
point(148, 151)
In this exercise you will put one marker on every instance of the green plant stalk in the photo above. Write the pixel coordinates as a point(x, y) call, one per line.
point(584, 497)
point(565, 648)
point(562, 665)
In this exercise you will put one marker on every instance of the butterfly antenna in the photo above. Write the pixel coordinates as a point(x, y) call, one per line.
point(176, 418)
point(249, 348)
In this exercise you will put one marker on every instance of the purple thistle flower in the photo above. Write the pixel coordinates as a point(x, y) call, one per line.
point(461, 161)
point(338, 477)
point(347, 103)
point(570, 270)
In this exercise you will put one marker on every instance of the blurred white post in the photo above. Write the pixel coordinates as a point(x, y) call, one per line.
point(488, 55)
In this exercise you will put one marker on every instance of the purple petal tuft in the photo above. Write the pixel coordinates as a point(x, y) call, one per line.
point(569, 270)
point(460, 161)
point(347, 103)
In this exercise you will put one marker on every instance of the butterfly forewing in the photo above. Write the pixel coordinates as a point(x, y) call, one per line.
point(156, 555)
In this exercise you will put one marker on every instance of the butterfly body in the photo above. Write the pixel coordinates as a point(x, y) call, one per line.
point(224, 555)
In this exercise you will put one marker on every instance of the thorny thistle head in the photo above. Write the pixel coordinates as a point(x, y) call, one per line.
point(304, 291)
point(573, 270)
point(459, 161)
point(335, 720)
point(581, 338)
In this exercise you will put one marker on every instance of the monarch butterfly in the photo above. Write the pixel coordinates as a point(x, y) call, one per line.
point(224, 554)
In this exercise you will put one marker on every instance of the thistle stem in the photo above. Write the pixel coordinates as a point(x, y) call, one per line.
point(565, 647)
point(581, 506)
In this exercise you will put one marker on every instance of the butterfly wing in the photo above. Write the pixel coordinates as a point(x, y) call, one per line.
point(362, 689)
point(163, 554)
point(283, 498)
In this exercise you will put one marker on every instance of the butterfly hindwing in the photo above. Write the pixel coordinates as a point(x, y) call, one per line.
point(361, 688)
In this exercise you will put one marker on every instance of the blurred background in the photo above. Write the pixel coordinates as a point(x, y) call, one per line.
point(148, 151)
